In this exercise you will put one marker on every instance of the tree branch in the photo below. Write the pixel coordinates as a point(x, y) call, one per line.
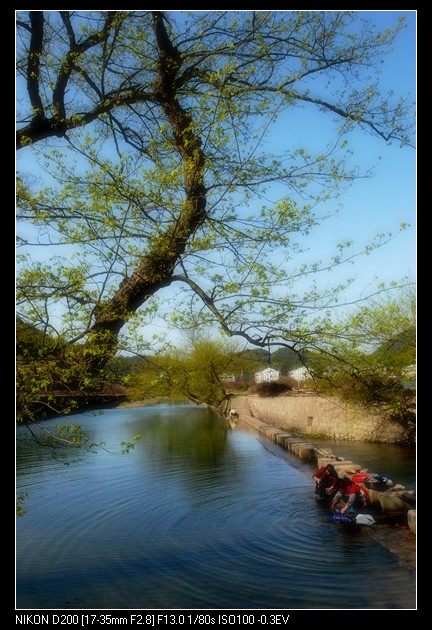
point(33, 66)
point(56, 126)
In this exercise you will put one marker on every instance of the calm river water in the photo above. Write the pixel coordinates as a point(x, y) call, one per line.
point(196, 516)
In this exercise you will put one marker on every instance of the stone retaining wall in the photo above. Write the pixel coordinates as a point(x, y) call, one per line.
point(326, 417)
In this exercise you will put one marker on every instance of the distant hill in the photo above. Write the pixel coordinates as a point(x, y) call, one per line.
point(285, 360)
point(401, 351)
point(405, 342)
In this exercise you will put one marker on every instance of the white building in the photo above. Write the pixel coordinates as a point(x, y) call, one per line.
point(300, 374)
point(267, 376)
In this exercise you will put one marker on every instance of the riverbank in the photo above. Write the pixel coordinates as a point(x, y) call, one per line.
point(393, 502)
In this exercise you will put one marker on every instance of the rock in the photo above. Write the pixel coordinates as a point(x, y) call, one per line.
point(344, 468)
point(409, 497)
point(306, 452)
point(391, 503)
point(338, 464)
point(412, 520)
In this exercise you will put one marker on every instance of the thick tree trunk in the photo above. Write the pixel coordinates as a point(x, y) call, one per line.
point(157, 266)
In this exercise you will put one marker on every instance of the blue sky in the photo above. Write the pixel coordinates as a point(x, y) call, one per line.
point(380, 203)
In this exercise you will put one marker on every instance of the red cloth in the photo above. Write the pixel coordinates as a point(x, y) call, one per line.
point(359, 477)
point(321, 473)
point(348, 486)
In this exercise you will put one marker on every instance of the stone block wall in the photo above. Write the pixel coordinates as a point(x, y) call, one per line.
point(326, 417)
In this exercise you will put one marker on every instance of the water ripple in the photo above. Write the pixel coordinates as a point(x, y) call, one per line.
point(214, 521)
